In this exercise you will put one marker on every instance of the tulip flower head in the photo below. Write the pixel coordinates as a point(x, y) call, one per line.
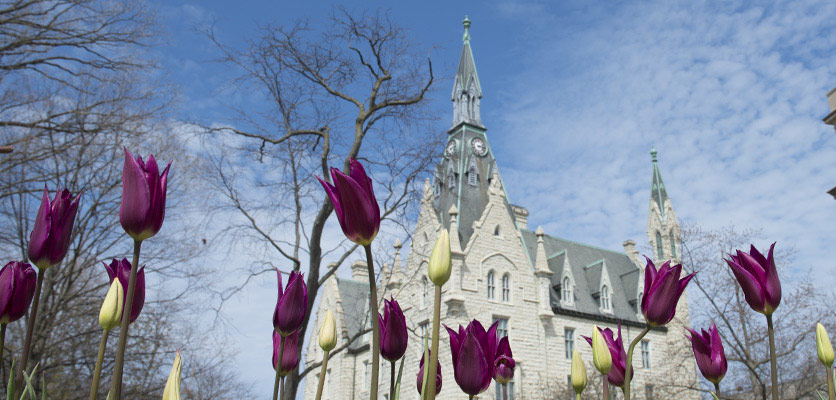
point(50, 238)
point(142, 210)
point(578, 372)
point(504, 364)
point(328, 332)
point(354, 203)
point(758, 278)
point(17, 287)
point(601, 357)
point(473, 350)
point(619, 356)
point(291, 305)
point(709, 353)
point(662, 290)
point(110, 314)
point(440, 265)
point(122, 270)
point(290, 357)
point(421, 376)
point(393, 333)
point(172, 386)
point(823, 346)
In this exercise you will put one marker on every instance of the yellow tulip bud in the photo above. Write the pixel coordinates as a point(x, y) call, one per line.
point(601, 356)
point(440, 264)
point(328, 332)
point(824, 347)
point(172, 386)
point(578, 372)
point(110, 315)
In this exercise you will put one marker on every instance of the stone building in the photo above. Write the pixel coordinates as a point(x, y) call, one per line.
point(544, 291)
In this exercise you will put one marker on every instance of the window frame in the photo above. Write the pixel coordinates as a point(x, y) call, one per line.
point(506, 288)
point(566, 291)
point(568, 342)
point(605, 298)
point(645, 352)
point(491, 280)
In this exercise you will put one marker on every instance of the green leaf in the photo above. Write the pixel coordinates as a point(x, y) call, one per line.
point(715, 396)
point(397, 394)
point(426, 367)
point(29, 388)
point(820, 395)
point(10, 388)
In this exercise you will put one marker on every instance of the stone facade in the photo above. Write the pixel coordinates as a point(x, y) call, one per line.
point(546, 291)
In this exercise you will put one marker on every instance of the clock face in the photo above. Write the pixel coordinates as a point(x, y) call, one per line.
point(478, 146)
point(451, 149)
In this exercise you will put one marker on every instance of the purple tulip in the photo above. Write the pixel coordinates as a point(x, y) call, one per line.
point(50, 238)
point(758, 278)
point(291, 305)
point(143, 197)
point(122, 270)
point(290, 357)
point(504, 362)
point(618, 354)
point(662, 290)
point(474, 353)
point(421, 376)
point(393, 333)
point(17, 287)
point(354, 203)
point(708, 350)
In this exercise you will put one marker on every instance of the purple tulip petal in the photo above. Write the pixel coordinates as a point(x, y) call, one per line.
point(772, 285)
point(471, 370)
point(360, 222)
point(331, 191)
point(752, 291)
point(291, 306)
point(136, 196)
point(7, 287)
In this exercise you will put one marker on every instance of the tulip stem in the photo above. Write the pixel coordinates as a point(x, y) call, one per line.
point(94, 389)
point(829, 384)
point(30, 325)
point(2, 347)
point(322, 371)
point(116, 383)
point(504, 391)
point(392, 385)
point(717, 389)
point(578, 396)
point(627, 369)
point(773, 362)
point(375, 324)
point(433, 369)
point(282, 388)
point(279, 382)
point(606, 388)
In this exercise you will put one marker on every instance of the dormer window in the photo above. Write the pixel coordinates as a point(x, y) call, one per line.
point(659, 246)
point(566, 288)
point(496, 231)
point(472, 176)
point(605, 298)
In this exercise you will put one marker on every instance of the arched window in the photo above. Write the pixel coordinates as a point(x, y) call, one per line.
point(673, 245)
point(506, 287)
point(496, 231)
point(567, 290)
point(605, 298)
point(451, 179)
point(472, 176)
point(659, 246)
point(425, 287)
point(437, 189)
point(491, 285)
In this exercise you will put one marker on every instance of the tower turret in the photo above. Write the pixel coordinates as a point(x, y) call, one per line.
point(662, 227)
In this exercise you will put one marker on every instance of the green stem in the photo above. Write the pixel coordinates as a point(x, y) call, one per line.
point(375, 324)
point(278, 382)
point(322, 371)
point(282, 388)
point(504, 391)
point(116, 383)
point(717, 389)
point(392, 384)
point(627, 374)
point(606, 388)
point(30, 326)
point(433, 367)
point(94, 389)
point(773, 362)
point(829, 383)
point(2, 347)
point(578, 396)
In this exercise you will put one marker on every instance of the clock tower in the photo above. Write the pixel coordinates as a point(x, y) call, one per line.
point(468, 167)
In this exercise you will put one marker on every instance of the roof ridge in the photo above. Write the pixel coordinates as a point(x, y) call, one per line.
point(601, 261)
point(581, 244)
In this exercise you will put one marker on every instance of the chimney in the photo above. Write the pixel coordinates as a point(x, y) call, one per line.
point(521, 216)
point(360, 271)
point(830, 119)
point(630, 250)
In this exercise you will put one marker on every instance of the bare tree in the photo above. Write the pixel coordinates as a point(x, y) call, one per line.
point(355, 90)
point(715, 296)
point(75, 87)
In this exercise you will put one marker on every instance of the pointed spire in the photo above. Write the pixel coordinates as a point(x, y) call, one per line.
point(467, 91)
point(658, 193)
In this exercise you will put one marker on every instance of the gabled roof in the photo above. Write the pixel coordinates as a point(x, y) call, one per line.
point(587, 264)
point(355, 304)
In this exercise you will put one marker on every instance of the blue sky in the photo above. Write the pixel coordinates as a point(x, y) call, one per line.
point(575, 94)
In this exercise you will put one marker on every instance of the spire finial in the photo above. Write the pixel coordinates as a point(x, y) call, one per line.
point(653, 153)
point(466, 24)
